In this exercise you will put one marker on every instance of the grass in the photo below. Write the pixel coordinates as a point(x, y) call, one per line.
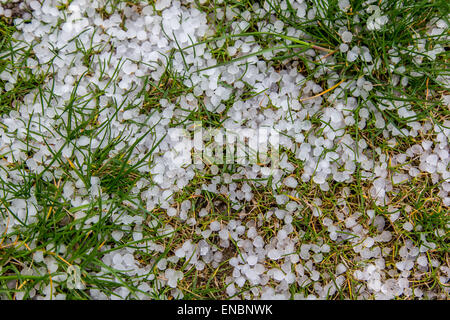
point(76, 232)
point(13, 64)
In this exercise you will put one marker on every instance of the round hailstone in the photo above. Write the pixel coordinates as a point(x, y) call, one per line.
point(278, 25)
point(266, 171)
point(319, 178)
point(385, 236)
point(35, 5)
point(162, 264)
point(252, 260)
point(117, 235)
point(252, 275)
point(128, 114)
point(340, 268)
point(129, 67)
point(347, 36)
point(214, 226)
point(128, 259)
point(231, 290)
point(233, 69)
point(7, 13)
point(282, 234)
point(171, 212)
point(351, 56)
point(252, 233)
point(240, 281)
point(413, 172)
point(398, 178)
point(408, 226)
point(278, 275)
point(432, 159)
point(117, 259)
point(335, 115)
point(280, 214)
point(344, 5)
point(343, 47)
point(214, 169)
point(422, 261)
point(290, 182)
point(315, 275)
point(224, 234)
point(180, 253)
point(141, 35)
point(38, 256)
point(83, 141)
point(232, 51)
point(426, 144)
point(274, 254)
point(200, 265)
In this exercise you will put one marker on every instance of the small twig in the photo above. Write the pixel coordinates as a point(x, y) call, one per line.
point(323, 92)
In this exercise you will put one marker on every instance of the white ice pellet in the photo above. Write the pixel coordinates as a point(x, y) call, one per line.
point(408, 226)
point(422, 261)
point(215, 226)
point(274, 254)
point(290, 182)
point(351, 56)
point(347, 36)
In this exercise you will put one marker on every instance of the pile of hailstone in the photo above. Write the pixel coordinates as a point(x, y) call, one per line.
point(132, 43)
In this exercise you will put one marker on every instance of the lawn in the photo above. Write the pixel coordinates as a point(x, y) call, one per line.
point(103, 194)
